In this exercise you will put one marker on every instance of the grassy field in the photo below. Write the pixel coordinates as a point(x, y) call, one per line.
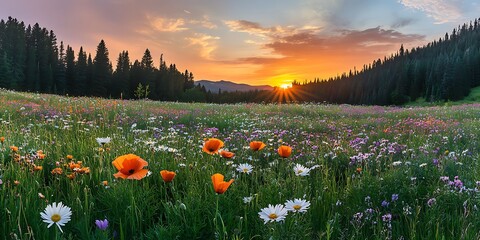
point(372, 172)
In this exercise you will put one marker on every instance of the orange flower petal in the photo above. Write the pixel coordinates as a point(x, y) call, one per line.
point(284, 151)
point(223, 186)
point(120, 175)
point(219, 185)
point(227, 154)
point(212, 146)
point(257, 145)
point(137, 175)
point(216, 179)
point(167, 176)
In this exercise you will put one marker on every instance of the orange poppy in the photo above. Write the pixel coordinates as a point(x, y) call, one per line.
point(212, 146)
point(84, 170)
point(257, 145)
point(130, 166)
point(167, 175)
point(284, 151)
point(219, 185)
point(14, 148)
point(69, 157)
point(57, 171)
point(2, 139)
point(227, 154)
point(37, 168)
point(74, 165)
point(105, 183)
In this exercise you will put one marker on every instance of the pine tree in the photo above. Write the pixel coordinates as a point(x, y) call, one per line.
point(89, 76)
point(14, 48)
point(102, 71)
point(81, 73)
point(5, 71)
point(148, 73)
point(60, 78)
point(122, 76)
point(30, 64)
point(70, 71)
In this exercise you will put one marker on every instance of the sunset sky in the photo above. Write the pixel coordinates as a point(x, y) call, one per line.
point(256, 42)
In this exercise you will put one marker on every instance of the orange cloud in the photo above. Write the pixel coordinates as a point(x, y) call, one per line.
point(206, 44)
point(168, 24)
point(305, 53)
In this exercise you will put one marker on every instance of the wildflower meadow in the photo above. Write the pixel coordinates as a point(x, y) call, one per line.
point(87, 168)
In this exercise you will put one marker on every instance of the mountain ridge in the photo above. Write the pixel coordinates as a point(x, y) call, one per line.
point(229, 86)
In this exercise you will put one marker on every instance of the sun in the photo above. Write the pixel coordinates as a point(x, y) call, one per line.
point(285, 86)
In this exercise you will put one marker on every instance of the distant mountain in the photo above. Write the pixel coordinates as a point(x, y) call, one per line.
point(227, 86)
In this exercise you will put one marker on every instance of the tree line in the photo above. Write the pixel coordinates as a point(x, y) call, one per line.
point(32, 60)
point(445, 69)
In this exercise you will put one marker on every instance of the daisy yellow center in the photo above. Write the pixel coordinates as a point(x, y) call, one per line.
point(55, 217)
point(299, 171)
point(273, 216)
point(297, 207)
point(245, 170)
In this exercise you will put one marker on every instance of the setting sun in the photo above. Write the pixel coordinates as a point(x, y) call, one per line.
point(286, 86)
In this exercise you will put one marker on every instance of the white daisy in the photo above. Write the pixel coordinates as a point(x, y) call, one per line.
point(103, 141)
point(297, 205)
point(245, 168)
point(56, 214)
point(272, 213)
point(301, 170)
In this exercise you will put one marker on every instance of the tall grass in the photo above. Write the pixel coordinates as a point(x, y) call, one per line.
point(383, 173)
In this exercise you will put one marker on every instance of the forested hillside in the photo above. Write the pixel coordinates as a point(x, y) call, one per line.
point(442, 70)
point(31, 59)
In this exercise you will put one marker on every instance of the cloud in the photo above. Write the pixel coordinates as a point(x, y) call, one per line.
point(161, 24)
point(442, 11)
point(168, 24)
point(402, 22)
point(205, 22)
point(206, 43)
point(254, 28)
point(307, 50)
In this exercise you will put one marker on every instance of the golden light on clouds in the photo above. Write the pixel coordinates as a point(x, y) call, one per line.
point(255, 42)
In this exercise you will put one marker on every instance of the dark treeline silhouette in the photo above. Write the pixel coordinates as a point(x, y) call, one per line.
point(440, 71)
point(32, 60)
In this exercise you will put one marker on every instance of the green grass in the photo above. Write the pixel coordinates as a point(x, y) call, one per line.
point(473, 97)
point(363, 157)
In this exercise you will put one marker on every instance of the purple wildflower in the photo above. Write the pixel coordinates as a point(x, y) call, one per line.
point(102, 224)
point(431, 202)
point(387, 217)
point(394, 197)
point(385, 203)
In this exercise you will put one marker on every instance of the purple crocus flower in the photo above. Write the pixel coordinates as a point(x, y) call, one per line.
point(102, 224)
point(394, 197)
